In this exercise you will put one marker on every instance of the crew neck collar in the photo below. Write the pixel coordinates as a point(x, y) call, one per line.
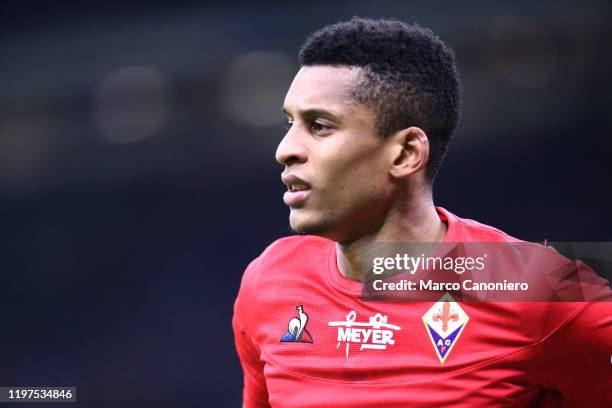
point(339, 281)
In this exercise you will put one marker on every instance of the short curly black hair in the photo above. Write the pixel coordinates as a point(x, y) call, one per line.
point(409, 76)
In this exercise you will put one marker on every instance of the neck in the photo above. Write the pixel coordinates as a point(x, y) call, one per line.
point(413, 222)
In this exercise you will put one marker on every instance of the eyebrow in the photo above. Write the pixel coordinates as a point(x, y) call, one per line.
point(315, 113)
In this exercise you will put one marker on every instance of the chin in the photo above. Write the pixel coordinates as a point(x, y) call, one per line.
point(301, 227)
point(305, 224)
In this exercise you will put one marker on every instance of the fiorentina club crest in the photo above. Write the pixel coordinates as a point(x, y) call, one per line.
point(444, 322)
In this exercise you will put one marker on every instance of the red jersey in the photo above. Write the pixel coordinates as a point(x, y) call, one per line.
point(306, 338)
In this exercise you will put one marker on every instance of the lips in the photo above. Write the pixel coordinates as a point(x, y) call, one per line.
point(298, 189)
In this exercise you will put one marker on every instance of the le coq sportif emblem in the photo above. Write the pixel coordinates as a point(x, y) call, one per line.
point(297, 332)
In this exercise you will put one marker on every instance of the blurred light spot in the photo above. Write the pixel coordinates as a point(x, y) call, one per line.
point(131, 104)
point(255, 87)
point(525, 51)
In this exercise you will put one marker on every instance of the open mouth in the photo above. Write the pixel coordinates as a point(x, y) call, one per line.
point(296, 194)
point(297, 187)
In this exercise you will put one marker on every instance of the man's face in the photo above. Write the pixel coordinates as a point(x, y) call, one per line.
point(336, 165)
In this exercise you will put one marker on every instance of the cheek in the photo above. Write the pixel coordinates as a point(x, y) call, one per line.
point(353, 181)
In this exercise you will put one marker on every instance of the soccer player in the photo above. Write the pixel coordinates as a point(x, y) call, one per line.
point(370, 114)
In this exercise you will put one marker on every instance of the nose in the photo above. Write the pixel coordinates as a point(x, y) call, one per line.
point(291, 149)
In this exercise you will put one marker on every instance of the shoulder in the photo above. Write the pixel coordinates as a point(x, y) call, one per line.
point(288, 249)
point(468, 230)
point(295, 249)
point(286, 259)
point(492, 234)
point(274, 275)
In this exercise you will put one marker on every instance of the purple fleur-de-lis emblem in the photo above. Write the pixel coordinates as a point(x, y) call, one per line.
point(444, 322)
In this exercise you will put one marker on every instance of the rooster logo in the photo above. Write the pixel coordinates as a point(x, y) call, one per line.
point(297, 332)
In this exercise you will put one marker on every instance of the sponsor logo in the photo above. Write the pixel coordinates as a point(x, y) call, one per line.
point(444, 323)
point(297, 332)
point(375, 334)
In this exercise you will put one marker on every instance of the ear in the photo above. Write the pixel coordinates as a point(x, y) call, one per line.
point(410, 150)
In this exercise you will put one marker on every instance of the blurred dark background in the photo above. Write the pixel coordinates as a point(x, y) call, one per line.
point(137, 172)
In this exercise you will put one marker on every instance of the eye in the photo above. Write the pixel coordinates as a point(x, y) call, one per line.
point(288, 125)
point(318, 128)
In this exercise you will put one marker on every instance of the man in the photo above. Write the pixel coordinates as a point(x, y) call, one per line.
point(370, 114)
